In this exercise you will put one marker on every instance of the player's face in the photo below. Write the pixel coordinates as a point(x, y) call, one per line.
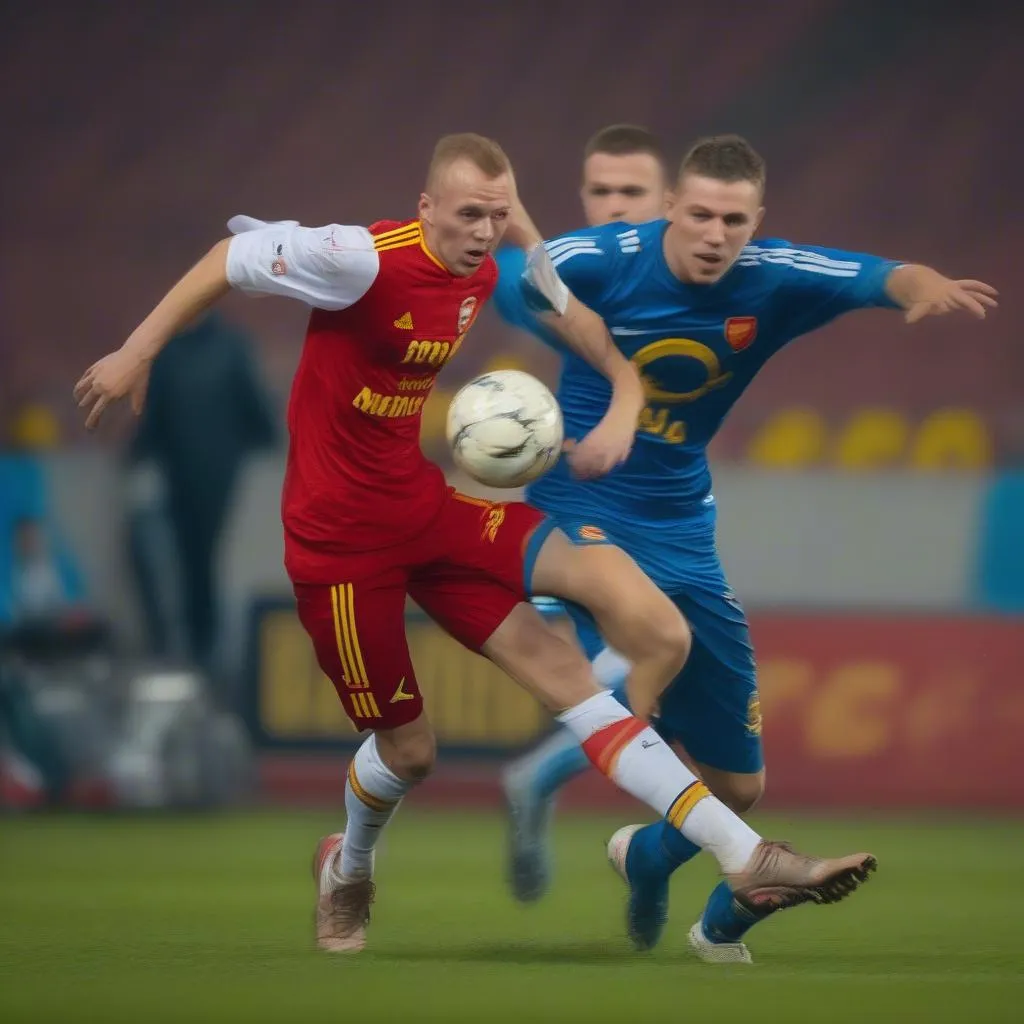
point(710, 223)
point(465, 215)
point(628, 187)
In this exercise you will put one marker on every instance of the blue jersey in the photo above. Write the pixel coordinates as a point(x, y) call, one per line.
point(697, 348)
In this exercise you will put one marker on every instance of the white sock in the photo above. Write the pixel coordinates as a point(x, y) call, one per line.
point(372, 794)
point(640, 762)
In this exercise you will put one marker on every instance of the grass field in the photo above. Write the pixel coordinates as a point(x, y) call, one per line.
point(209, 919)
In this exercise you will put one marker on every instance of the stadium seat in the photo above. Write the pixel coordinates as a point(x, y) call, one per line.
point(952, 439)
point(791, 439)
point(874, 438)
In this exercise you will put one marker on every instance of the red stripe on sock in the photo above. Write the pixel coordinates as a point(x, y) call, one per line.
point(604, 747)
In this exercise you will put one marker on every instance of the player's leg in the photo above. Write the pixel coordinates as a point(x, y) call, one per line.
point(476, 597)
point(712, 709)
point(358, 633)
point(632, 614)
point(532, 781)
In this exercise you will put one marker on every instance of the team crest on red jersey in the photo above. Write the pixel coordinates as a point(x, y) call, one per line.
point(467, 314)
point(740, 332)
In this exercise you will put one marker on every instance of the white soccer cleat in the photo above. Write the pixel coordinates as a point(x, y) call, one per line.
point(342, 908)
point(717, 952)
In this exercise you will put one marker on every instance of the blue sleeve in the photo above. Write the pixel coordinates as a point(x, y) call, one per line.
point(821, 284)
point(510, 301)
point(585, 261)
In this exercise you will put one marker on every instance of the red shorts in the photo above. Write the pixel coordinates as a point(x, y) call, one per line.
point(466, 572)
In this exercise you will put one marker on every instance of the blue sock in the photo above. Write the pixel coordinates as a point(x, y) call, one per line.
point(677, 848)
point(725, 920)
point(661, 848)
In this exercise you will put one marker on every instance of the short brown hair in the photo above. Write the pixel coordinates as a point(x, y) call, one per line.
point(624, 140)
point(725, 158)
point(484, 153)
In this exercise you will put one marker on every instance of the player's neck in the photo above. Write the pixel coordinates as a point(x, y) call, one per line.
point(430, 250)
point(674, 263)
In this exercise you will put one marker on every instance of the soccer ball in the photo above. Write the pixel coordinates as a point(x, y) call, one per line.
point(505, 428)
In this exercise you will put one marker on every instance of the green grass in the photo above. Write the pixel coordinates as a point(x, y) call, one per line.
point(209, 919)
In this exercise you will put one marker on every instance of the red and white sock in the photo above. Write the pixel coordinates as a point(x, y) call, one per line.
point(640, 762)
point(372, 795)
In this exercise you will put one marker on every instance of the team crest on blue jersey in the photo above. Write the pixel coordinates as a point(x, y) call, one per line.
point(740, 332)
point(593, 533)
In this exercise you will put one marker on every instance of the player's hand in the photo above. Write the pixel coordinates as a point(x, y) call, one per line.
point(943, 295)
point(605, 447)
point(643, 705)
point(122, 374)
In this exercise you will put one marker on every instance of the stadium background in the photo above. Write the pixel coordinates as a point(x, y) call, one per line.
point(870, 484)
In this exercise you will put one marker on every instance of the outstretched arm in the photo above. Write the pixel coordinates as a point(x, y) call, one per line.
point(922, 291)
point(329, 267)
point(125, 373)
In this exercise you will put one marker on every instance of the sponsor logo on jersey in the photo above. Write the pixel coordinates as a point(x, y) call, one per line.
point(740, 332)
point(591, 533)
point(404, 322)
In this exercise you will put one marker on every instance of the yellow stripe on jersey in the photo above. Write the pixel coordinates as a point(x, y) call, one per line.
point(396, 245)
point(409, 235)
point(402, 229)
point(685, 802)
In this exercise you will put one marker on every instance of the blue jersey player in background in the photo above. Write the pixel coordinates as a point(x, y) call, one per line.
point(699, 308)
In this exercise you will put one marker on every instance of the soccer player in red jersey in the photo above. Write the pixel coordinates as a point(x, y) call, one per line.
point(369, 521)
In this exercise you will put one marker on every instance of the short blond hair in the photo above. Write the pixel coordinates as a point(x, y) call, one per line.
point(480, 151)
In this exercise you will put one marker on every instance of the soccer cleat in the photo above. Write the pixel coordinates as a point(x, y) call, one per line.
point(529, 866)
point(342, 908)
point(647, 907)
point(717, 952)
point(777, 876)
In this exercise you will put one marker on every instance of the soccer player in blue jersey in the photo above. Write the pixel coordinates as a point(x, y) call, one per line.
point(699, 308)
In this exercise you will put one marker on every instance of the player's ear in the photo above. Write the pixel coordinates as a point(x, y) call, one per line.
point(758, 218)
point(425, 208)
point(670, 200)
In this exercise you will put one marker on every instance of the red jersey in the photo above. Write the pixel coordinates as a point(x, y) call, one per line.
point(387, 317)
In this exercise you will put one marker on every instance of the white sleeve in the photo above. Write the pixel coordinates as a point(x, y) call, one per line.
point(330, 267)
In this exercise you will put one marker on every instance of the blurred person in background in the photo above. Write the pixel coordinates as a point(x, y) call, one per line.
point(699, 309)
point(207, 410)
point(45, 616)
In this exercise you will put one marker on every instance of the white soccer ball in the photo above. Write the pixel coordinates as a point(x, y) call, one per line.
point(505, 428)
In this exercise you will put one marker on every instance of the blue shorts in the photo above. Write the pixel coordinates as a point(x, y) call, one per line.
point(712, 707)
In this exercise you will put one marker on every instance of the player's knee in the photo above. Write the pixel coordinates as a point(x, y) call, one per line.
point(410, 757)
point(741, 793)
point(671, 632)
point(658, 631)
